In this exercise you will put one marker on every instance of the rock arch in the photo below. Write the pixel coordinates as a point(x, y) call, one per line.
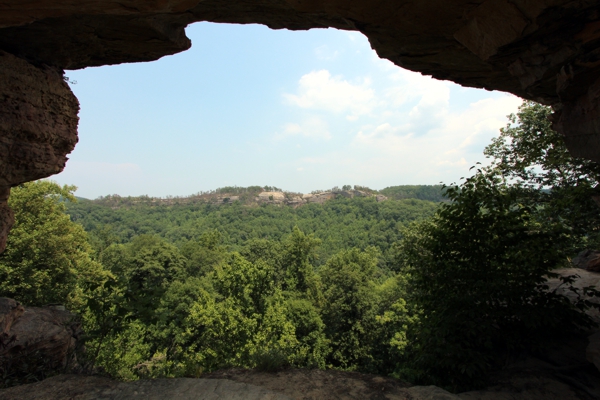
point(543, 50)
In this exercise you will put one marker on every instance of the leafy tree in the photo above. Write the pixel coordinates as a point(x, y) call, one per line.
point(146, 267)
point(529, 152)
point(309, 329)
point(395, 317)
point(350, 308)
point(479, 268)
point(298, 260)
point(47, 259)
point(421, 192)
point(246, 324)
point(479, 272)
point(204, 254)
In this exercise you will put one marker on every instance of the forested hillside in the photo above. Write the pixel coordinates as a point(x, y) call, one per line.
point(434, 193)
point(340, 224)
point(434, 292)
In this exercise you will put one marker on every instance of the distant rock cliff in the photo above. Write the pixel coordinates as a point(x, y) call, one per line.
point(243, 196)
point(319, 197)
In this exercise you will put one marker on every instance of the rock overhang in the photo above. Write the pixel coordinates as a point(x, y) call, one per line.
point(514, 46)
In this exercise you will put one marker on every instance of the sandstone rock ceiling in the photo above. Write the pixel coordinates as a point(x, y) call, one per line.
point(544, 50)
point(515, 46)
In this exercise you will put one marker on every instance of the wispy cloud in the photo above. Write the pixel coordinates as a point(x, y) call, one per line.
point(324, 52)
point(313, 127)
point(410, 128)
point(319, 90)
point(447, 150)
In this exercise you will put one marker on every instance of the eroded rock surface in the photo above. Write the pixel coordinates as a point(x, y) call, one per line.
point(38, 126)
point(539, 49)
point(78, 387)
point(36, 338)
point(587, 259)
point(10, 311)
point(528, 382)
point(247, 385)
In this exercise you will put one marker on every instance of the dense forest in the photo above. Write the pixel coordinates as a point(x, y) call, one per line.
point(339, 224)
point(436, 285)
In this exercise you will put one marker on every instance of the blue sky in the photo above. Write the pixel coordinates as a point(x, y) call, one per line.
point(247, 105)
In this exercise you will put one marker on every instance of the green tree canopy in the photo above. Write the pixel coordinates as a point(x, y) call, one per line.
point(479, 268)
point(48, 258)
point(530, 153)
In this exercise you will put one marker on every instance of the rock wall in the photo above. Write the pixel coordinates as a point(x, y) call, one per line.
point(36, 339)
point(38, 126)
point(543, 50)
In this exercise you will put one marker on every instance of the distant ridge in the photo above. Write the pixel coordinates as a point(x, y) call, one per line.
point(274, 195)
point(435, 193)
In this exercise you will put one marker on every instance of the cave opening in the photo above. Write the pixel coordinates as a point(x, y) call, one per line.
point(248, 105)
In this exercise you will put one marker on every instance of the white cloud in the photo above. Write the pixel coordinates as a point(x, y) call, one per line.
point(354, 36)
point(455, 143)
point(422, 101)
point(318, 90)
point(409, 86)
point(313, 127)
point(325, 53)
point(412, 129)
point(474, 128)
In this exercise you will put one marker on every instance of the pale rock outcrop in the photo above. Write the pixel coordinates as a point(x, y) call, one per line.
point(352, 193)
point(321, 198)
point(295, 201)
point(271, 197)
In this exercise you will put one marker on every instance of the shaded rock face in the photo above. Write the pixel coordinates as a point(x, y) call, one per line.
point(544, 50)
point(36, 339)
point(38, 127)
point(588, 260)
point(38, 121)
point(539, 49)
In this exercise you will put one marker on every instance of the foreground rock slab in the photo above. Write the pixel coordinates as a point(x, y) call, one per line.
point(78, 387)
point(535, 380)
point(528, 383)
point(305, 384)
point(36, 338)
